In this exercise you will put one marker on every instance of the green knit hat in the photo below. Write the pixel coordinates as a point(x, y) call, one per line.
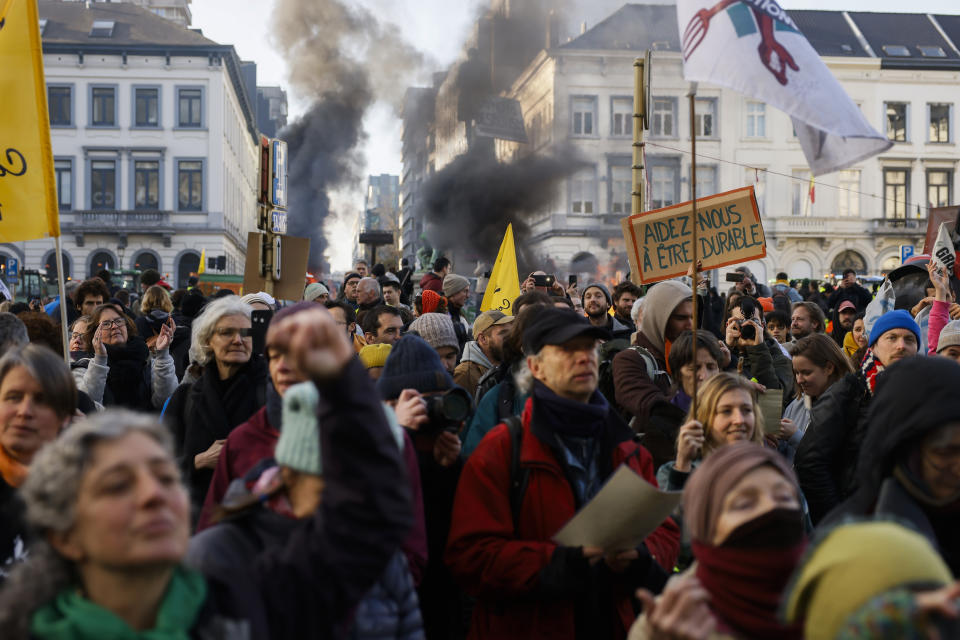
point(299, 443)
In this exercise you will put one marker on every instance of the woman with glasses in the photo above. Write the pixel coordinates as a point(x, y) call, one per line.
point(231, 387)
point(134, 378)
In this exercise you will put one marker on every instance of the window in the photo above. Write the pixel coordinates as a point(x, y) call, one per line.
point(146, 184)
point(102, 29)
point(583, 191)
point(64, 174)
point(103, 184)
point(190, 108)
point(848, 193)
point(939, 122)
point(663, 186)
point(756, 119)
point(664, 121)
point(896, 50)
point(103, 107)
point(190, 185)
point(896, 121)
point(705, 117)
point(896, 191)
point(621, 189)
point(584, 116)
point(146, 107)
point(60, 104)
point(939, 186)
point(621, 117)
point(706, 181)
point(800, 204)
point(932, 51)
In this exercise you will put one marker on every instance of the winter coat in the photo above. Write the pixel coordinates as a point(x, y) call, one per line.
point(208, 410)
point(473, 364)
point(856, 294)
point(136, 380)
point(14, 533)
point(498, 404)
point(826, 459)
point(766, 363)
point(431, 281)
point(90, 376)
point(789, 291)
point(526, 585)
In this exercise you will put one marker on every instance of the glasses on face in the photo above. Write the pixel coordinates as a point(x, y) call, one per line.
point(116, 323)
point(76, 336)
point(233, 332)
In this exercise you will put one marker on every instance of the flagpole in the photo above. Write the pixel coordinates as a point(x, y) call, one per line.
point(639, 124)
point(692, 95)
point(63, 301)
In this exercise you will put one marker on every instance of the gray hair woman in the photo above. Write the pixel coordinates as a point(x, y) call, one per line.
point(37, 400)
point(230, 389)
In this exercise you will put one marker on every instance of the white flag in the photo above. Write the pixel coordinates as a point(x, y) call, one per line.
point(754, 47)
point(5, 291)
point(943, 251)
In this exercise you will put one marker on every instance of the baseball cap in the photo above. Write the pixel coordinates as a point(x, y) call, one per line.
point(846, 304)
point(488, 319)
point(555, 326)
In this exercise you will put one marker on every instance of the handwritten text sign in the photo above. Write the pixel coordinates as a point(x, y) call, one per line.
point(660, 242)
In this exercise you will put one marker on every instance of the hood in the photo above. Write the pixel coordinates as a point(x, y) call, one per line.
point(658, 304)
point(473, 353)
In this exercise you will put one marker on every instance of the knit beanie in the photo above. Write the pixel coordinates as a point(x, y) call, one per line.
point(602, 287)
point(949, 336)
point(899, 319)
point(260, 296)
point(192, 303)
point(453, 284)
point(315, 290)
point(429, 300)
point(299, 445)
point(374, 355)
point(436, 329)
point(413, 364)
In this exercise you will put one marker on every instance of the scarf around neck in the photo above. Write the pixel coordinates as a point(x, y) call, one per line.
point(13, 471)
point(870, 369)
point(569, 417)
point(850, 346)
point(72, 617)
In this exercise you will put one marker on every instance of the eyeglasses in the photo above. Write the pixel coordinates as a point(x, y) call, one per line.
point(232, 332)
point(116, 323)
point(75, 335)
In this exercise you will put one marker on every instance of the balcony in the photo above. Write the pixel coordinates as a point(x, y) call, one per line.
point(119, 223)
point(898, 226)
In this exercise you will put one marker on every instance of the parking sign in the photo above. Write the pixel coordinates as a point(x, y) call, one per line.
point(906, 252)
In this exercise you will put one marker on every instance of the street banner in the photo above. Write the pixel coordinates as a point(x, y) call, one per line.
point(660, 242)
point(504, 285)
point(28, 195)
point(754, 47)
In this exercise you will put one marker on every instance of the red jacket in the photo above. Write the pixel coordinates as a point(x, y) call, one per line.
point(432, 281)
point(503, 569)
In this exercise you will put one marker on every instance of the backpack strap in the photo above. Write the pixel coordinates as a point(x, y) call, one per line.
point(519, 478)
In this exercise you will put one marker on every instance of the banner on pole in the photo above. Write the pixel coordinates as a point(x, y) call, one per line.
point(28, 196)
point(660, 242)
point(504, 285)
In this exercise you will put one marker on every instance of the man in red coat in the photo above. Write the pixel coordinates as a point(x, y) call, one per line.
point(526, 585)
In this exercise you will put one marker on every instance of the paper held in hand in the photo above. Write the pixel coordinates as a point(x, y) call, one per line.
point(621, 516)
point(771, 405)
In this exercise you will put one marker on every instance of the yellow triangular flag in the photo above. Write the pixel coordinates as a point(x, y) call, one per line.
point(203, 261)
point(504, 285)
point(27, 186)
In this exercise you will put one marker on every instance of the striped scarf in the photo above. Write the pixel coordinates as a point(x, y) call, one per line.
point(870, 369)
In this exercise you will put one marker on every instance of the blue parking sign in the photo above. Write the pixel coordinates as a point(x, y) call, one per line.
point(13, 268)
point(906, 252)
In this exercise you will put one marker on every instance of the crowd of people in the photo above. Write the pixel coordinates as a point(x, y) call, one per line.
point(378, 460)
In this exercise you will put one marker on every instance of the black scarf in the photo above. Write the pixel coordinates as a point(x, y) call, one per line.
point(274, 407)
point(569, 417)
point(128, 381)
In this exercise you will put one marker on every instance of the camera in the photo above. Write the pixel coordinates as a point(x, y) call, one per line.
point(448, 411)
point(736, 276)
point(748, 331)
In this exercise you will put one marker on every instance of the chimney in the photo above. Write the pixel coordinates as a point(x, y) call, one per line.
point(583, 28)
point(553, 30)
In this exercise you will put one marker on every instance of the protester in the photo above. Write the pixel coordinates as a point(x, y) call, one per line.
point(742, 513)
point(624, 295)
point(848, 289)
point(368, 296)
point(826, 459)
point(843, 319)
point(758, 356)
point(52, 309)
point(782, 286)
point(456, 289)
point(807, 319)
point(348, 292)
point(96, 572)
point(374, 358)
point(433, 279)
point(316, 292)
point(871, 580)
point(260, 301)
point(382, 325)
point(13, 333)
point(41, 330)
point(91, 294)
point(429, 302)
point(390, 286)
point(405, 276)
point(346, 318)
point(636, 314)
point(596, 304)
point(856, 340)
point(681, 362)
point(570, 442)
point(485, 351)
point(438, 331)
point(361, 267)
point(750, 285)
point(778, 325)
point(135, 378)
point(231, 388)
point(37, 401)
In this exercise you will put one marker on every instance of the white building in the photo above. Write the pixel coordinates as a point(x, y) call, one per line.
point(154, 139)
point(902, 69)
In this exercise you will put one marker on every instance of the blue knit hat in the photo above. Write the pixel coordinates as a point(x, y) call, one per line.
point(899, 319)
point(299, 445)
point(413, 364)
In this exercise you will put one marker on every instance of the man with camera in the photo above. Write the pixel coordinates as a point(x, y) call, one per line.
point(525, 481)
point(848, 289)
point(755, 354)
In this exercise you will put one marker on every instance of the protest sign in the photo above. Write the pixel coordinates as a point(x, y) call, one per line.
point(660, 242)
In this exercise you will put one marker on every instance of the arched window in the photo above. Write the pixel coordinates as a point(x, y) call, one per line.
point(800, 269)
point(584, 263)
point(101, 260)
point(145, 260)
point(186, 265)
point(849, 259)
point(50, 265)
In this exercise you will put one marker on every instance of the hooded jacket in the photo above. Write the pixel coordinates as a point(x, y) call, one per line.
point(473, 364)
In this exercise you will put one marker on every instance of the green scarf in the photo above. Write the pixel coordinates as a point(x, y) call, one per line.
point(72, 617)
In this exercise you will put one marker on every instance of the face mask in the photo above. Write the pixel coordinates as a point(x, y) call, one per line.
point(779, 527)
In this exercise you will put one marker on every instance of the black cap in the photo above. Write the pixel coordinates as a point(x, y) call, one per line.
point(556, 326)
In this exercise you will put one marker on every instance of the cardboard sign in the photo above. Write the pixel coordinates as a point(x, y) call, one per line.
point(660, 242)
point(293, 265)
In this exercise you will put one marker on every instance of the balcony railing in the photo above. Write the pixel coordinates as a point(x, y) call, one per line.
point(114, 221)
point(899, 225)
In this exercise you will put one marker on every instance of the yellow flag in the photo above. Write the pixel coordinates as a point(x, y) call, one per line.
point(504, 285)
point(203, 261)
point(28, 195)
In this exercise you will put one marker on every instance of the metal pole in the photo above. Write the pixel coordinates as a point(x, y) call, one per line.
point(639, 124)
point(692, 95)
point(63, 301)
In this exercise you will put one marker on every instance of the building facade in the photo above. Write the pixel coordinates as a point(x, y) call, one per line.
point(154, 142)
point(901, 69)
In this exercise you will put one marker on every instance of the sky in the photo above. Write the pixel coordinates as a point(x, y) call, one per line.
point(436, 27)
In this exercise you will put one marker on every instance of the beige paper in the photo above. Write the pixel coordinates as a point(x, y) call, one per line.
point(626, 511)
point(771, 405)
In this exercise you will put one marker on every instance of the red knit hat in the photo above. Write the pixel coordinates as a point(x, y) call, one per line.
point(430, 300)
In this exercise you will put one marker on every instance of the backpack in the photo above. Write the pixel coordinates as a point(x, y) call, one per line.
point(781, 301)
point(606, 385)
